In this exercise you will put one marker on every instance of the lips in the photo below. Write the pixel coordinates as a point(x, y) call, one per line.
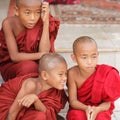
point(63, 83)
point(31, 25)
point(90, 67)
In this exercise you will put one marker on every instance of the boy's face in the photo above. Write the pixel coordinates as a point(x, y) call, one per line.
point(29, 13)
point(57, 77)
point(86, 57)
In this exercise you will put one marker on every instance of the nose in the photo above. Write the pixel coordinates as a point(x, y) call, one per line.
point(89, 61)
point(65, 77)
point(32, 17)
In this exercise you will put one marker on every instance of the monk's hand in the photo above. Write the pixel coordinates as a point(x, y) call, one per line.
point(42, 53)
point(94, 112)
point(45, 12)
point(28, 100)
point(88, 112)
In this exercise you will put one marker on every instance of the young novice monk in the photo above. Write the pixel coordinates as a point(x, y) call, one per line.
point(36, 96)
point(92, 88)
point(25, 37)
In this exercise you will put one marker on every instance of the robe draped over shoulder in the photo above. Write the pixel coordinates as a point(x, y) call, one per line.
point(103, 85)
point(63, 1)
point(28, 40)
point(53, 99)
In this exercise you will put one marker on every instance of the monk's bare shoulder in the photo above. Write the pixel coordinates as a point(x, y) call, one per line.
point(73, 71)
point(29, 84)
point(13, 24)
point(74, 76)
point(11, 21)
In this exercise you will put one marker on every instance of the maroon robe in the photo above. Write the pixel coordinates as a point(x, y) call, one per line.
point(63, 1)
point(53, 99)
point(27, 41)
point(103, 85)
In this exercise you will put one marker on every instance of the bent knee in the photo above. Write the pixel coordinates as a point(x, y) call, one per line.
point(28, 67)
point(103, 116)
point(40, 116)
point(76, 115)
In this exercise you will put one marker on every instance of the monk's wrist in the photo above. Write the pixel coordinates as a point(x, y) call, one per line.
point(85, 107)
point(46, 24)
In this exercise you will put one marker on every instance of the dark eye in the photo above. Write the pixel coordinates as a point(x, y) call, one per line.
point(27, 12)
point(60, 74)
point(94, 56)
point(38, 12)
point(84, 57)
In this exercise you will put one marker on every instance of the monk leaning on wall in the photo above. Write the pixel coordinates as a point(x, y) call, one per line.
point(92, 88)
point(25, 37)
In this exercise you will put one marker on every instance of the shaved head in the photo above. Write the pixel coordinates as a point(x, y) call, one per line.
point(49, 61)
point(19, 2)
point(82, 40)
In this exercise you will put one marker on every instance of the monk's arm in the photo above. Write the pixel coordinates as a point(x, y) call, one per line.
point(39, 105)
point(30, 99)
point(11, 43)
point(103, 106)
point(13, 111)
point(26, 88)
point(95, 110)
point(44, 45)
point(15, 107)
point(72, 92)
point(30, 96)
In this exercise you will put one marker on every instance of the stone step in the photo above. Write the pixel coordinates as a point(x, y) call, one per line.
point(106, 36)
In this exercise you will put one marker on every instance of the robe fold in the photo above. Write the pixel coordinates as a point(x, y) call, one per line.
point(103, 85)
point(53, 99)
point(63, 1)
point(27, 41)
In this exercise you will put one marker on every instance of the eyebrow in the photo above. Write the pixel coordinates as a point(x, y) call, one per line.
point(87, 54)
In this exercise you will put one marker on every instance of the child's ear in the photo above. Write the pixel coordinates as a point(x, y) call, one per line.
point(73, 57)
point(44, 75)
point(16, 11)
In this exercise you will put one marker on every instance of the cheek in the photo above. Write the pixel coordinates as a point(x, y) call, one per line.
point(81, 62)
point(37, 19)
point(23, 18)
point(52, 81)
point(95, 61)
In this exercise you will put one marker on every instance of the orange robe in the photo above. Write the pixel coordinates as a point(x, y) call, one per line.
point(53, 99)
point(27, 41)
point(103, 85)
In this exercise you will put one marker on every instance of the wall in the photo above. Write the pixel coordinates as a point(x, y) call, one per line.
point(105, 4)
